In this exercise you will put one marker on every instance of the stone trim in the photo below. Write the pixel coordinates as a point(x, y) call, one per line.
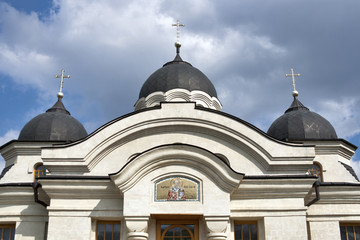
point(199, 97)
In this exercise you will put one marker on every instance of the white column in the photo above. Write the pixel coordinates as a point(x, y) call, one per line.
point(216, 227)
point(137, 228)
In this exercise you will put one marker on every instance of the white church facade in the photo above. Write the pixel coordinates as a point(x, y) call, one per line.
point(179, 168)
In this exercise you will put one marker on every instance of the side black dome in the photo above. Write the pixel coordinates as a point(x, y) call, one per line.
point(177, 74)
point(299, 123)
point(53, 125)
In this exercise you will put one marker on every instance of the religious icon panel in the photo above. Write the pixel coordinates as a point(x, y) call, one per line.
point(176, 189)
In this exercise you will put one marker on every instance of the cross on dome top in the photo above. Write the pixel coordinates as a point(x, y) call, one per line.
point(62, 76)
point(293, 75)
point(178, 25)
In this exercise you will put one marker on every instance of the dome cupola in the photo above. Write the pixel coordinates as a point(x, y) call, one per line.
point(178, 81)
point(56, 124)
point(299, 123)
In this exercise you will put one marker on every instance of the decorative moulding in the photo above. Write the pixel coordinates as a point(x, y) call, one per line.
point(177, 155)
point(179, 95)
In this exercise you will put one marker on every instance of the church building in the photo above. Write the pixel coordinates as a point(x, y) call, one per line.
point(178, 168)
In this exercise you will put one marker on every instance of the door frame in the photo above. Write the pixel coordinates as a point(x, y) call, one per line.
point(180, 220)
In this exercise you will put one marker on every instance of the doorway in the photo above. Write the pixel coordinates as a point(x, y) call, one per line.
point(177, 230)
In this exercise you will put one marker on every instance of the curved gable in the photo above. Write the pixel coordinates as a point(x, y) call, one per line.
point(247, 148)
point(175, 157)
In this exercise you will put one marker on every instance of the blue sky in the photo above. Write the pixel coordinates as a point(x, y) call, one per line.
point(41, 7)
point(245, 47)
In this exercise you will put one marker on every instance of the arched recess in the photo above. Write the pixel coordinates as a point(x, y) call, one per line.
point(201, 134)
point(183, 155)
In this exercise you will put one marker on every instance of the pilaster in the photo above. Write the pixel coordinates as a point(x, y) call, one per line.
point(137, 228)
point(216, 227)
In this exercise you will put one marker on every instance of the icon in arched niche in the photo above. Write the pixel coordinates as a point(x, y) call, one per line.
point(177, 189)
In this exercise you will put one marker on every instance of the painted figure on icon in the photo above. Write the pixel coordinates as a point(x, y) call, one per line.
point(176, 192)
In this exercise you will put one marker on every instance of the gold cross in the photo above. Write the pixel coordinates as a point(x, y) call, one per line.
point(293, 75)
point(178, 25)
point(62, 76)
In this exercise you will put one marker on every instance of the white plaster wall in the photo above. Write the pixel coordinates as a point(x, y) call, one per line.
point(139, 200)
point(291, 227)
point(29, 217)
point(266, 206)
point(69, 227)
point(337, 211)
point(327, 230)
point(240, 161)
point(30, 230)
point(97, 207)
point(333, 170)
point(247, 149)
point(202, 230)
point(152, 228)
point(22, 170)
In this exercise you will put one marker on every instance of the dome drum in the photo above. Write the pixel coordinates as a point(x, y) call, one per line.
point(179, 95)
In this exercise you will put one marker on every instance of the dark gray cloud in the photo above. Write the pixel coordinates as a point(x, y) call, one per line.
point(245, 47)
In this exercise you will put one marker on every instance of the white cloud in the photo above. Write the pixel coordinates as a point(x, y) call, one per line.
point(110, 48)
point(26, 66)
point(222, 49)
point(95, 44)
point(343, 115)
point(9, 135)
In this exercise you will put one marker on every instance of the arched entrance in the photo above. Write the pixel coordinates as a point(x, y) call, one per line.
point(177, 230)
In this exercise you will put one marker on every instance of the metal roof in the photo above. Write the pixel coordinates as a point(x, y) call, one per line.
point(55, 124)
point(177, 74)
point(299, 123)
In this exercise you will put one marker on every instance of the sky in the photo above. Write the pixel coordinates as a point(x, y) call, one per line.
point(245, 47)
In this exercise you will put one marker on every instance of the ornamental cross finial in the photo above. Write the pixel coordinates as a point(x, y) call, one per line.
point(293, 75)
point(62, 76)
point(178, 25)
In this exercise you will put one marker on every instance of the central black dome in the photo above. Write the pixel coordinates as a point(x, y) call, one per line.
point(177, 74)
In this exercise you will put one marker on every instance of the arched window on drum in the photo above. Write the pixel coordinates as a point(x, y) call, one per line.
point(39, 171)
point(316, 170)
